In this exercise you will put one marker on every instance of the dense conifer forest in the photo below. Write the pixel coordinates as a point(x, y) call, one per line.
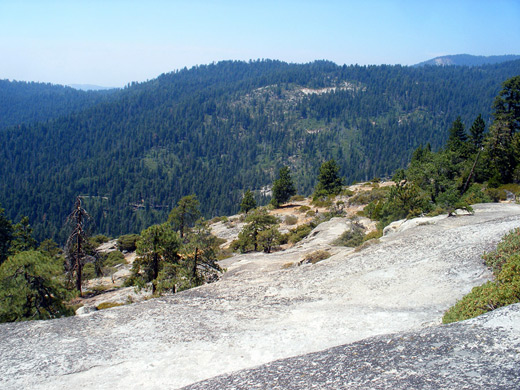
point(218, 130)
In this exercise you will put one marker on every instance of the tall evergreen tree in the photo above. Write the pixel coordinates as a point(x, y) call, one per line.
point(507, 104)
point(329, 181)
point(6, 235)
point(159, 245)
point(22, 237)
point(31, 288)
point(283, 187)
point(477, 132)
point(248, 202)
point(185, 214)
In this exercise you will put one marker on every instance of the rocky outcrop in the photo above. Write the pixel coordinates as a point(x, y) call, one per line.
point(482, 353)
point(262, 311)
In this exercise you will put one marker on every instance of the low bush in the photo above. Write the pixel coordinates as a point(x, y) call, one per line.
point(299, 233)
point(297, 198)
point(127, 242)
point(351, 238)
point(290, 220)
point(316, 257)
point(304, 209)
point(108, 305)
point(504, 290)
point(506, 248)
point(114, 258)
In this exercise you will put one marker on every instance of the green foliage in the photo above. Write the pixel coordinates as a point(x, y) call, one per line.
point(185, 214)
point(283, 187)
point(98, 240)
point(248, 202)
point(50, 248)
point(257, 222)
point(216, 130)
point(6, 235)
point(300, 232)
point(303, 209)
point(351, 238)
point(329, 181)
point(200, 253)
point(158, 245)
point(114, 258)
point(22, 237)
point(269, 239)
point(506, 248)
point(504, 290)
point(477, 131)
point(297, 198)
point(127, 242)
point(31, 288)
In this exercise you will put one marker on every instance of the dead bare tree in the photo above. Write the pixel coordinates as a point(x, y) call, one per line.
point(76, 242)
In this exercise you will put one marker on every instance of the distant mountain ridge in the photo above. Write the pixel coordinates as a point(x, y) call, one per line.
point(89, 87)
point(468, 60)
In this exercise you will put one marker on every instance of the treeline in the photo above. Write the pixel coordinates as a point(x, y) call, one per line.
point(29, 102)
point(219, 129)
point(474, 166)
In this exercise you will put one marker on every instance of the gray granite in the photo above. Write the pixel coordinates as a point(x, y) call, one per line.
point(265, 308)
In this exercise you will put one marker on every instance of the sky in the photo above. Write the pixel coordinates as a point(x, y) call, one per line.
point(114, 42)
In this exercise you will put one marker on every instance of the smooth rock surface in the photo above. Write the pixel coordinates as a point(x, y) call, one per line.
point(261, 310)
point(482, 353)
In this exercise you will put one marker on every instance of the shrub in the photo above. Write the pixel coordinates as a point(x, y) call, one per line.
point(297, 198)
point(299, 233)
point(316, 257)
point(88, 271)
point(98, 240)
point(373, 235)
point(108, 305)
point(290, 220)
point(323, 201)
point(304, 209)
point(365, 197)
point(114, 258)
point(352, 237)
point(505, 290)
point(127, 242)
point(346, 192)
point(509, 246)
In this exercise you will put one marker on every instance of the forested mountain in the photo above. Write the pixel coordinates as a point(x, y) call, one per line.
point(29, 102)
point(220, 129)
point(468, 60)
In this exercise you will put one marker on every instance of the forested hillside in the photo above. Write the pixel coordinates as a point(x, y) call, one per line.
point(23, 102)
point(218, 130)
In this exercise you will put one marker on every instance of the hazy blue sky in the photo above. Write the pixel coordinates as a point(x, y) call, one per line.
point(113, 42)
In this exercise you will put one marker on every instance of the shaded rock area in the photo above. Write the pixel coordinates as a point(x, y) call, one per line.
point(482, 353)
point(263, 310)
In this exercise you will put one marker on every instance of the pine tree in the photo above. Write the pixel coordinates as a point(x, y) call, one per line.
point(477, 132)
point(329, 181)
point(159, 245)
point(457, 137)
point(185, 214)
point(507, 104)
point(31, 288)
point(283, 187)
point(248, 202)
point(6, 235)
